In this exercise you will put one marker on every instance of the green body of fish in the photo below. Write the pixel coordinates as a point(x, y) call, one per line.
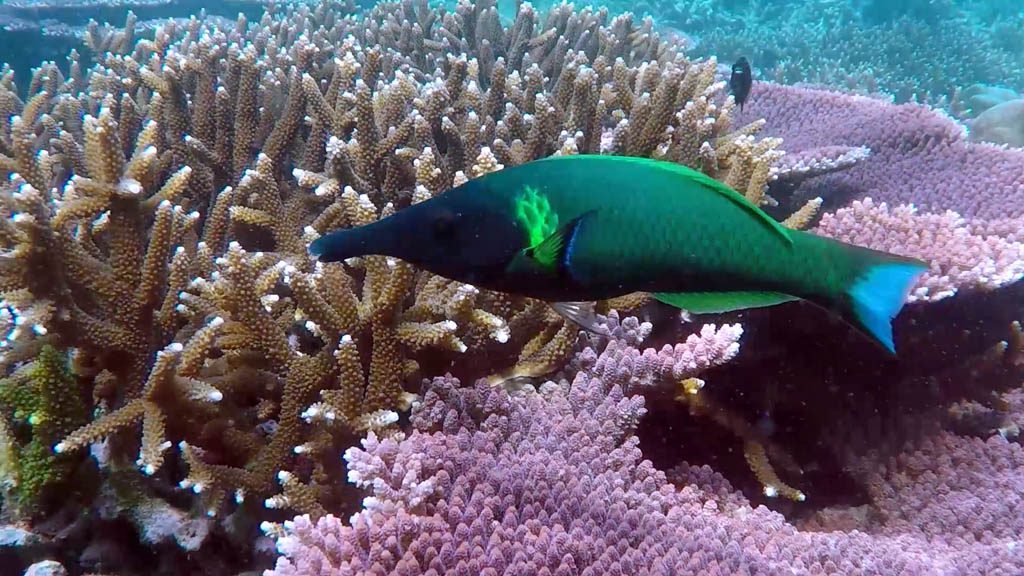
point(580, 228)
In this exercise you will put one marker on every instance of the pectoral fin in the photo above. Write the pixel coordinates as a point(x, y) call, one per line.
point(554, 253)
point(715, 302)
point(580, 313)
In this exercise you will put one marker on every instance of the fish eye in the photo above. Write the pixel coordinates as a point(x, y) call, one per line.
point(443, 225)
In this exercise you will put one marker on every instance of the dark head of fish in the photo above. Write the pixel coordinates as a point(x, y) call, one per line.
point(464, 234)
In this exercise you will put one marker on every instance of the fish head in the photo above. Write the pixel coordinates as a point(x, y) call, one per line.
point(464, 234)
point(461, 237)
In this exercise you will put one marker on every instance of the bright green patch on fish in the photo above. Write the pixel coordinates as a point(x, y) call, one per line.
point(534, 212)
point(549, 251)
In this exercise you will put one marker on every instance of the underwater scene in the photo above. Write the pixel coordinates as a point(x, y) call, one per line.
point(485, 288)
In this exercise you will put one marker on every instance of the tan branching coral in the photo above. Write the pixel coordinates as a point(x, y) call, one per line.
point(158, 206)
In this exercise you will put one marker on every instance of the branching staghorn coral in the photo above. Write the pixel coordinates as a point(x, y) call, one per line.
point(193, 169)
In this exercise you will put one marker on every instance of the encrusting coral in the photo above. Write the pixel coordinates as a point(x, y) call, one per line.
point(158, 206)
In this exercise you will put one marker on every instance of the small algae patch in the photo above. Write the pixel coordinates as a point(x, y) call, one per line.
point(40, 404)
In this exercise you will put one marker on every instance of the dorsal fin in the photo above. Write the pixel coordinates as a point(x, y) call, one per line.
point(693, 175)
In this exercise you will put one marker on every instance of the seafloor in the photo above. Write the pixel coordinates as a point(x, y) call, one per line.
point(186, 391)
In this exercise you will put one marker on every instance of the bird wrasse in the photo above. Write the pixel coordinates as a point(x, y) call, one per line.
point(583, 228)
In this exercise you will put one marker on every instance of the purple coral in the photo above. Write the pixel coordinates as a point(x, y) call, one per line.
point(625, 365)
point(921, 165)
point(961, 253)
point(555, 483)
point(964, 490)
point(541, 482)
point(918, 155)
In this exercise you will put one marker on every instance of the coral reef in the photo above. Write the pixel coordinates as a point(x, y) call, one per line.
point(552, 482)
point(919, 50)
point(158, 203)
point(962, 254)
point(917, 155)
point(870, 148)
point(159, 192)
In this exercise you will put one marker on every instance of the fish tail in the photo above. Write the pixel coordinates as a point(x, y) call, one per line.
point(878, 295)
point(872, 287)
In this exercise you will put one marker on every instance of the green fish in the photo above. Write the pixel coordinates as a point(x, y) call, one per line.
point(570, 229)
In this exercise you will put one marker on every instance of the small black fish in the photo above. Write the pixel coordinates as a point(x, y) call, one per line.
point(741, 81)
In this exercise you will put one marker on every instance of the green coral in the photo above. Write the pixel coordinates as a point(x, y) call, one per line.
point(40, 404)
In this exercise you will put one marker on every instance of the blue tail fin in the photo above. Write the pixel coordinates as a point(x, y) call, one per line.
point(878, 294)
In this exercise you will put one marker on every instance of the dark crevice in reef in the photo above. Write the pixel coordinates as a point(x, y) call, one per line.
point(805, 380)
